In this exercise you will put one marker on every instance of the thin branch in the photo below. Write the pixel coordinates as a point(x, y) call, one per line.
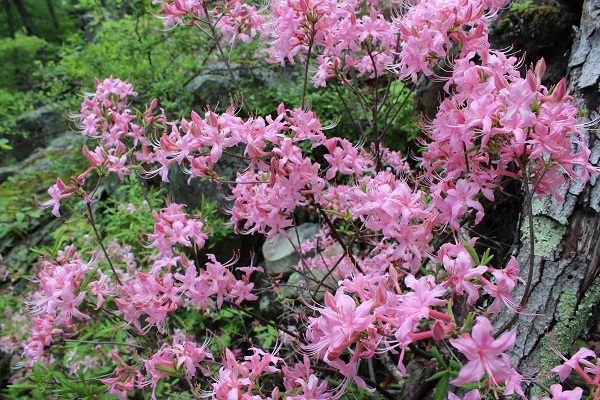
point(347, 109)
point(305, 85)
point(99, 237)
point(226, 62)
point(266, 321)
point(111, 343)
point(333, 268)
point(337, 237)
point(372, 376)
point(390, 122)
point(359, 96)
point(375, 112)
point(526, 292)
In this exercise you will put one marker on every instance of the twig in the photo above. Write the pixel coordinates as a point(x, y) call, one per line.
point(375, 113)
point(225, 61)
point(304, 88)
point(372, 376)
point(357, 125)
point(338, 238)
point(529, 211)
point(266, 321)
point(99, 237)
point(111, 343)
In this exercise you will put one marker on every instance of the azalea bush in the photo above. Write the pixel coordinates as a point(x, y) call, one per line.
point(393, 274)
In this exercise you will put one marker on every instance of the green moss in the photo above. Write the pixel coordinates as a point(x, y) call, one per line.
point(20, 215)
point(571, 323)
point(548, 234)
point(541, 29)
point(543, 17)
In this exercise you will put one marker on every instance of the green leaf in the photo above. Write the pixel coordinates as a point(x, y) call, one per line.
point(81, 376)
point(436, 354)
point(468, 322)
point(436, 376)
point(4, 144)
point(88, 278)
point(37, 251)
point(486, 258)
point(36, 374)
point(24, 386)
point(98, 389)
point(57, 243)
point(455, 365)
point(442, 388)
point(339, 214)
point(472, 252)
point(471, 386)
point(69, 387)
point(169, 370)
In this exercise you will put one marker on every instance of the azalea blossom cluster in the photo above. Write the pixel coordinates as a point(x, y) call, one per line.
point(387, 318)
point(279, 177)
point(429, 29)
point(234, 378)
point(162, 290)
point(348, 35)
point(406, 287)
point(104, 116)
point(63, 283)
point(496, 124)
point(173, 226)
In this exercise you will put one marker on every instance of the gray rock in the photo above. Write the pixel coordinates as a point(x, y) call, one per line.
point(39, 128)
point(280, 255)
point(191, 194)
point(215, 89)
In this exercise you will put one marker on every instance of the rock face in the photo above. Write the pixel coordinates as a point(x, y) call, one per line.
point(192, 194)
point(40, 126)
point(215, 89)
point(280, 255)
point(212, 88)
point(541, 29)
point(22, 224)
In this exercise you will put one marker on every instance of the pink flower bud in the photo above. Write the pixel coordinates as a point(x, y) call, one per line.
point(439, 330)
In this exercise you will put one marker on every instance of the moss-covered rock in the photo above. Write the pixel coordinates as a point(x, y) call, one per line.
point(540, 30)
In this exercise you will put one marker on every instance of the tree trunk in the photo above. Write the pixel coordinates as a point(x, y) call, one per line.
point(9, 20)
point(29, 27)
point(52, 13)
point(564, 288)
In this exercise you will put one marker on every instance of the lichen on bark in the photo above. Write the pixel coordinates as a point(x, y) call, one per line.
point(566, 263)
point(548, 234)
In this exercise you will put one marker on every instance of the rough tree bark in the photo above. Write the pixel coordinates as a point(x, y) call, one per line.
point(565, 288)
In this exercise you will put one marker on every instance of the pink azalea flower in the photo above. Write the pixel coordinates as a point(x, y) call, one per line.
point(56, 193)
point(557, 393)
point(472, 395)
point(482, 351)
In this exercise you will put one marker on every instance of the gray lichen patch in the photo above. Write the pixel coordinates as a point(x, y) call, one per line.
point(571, 321)
point(551, 208)
point(547, 234)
